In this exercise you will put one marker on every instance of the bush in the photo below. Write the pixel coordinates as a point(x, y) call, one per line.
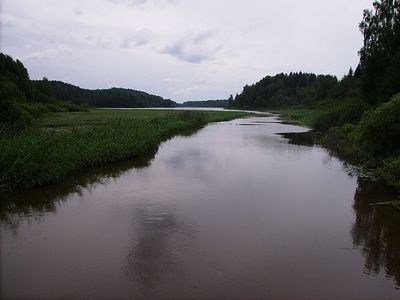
point(73, 108)
point(378, 133)
point(341, 141)
point(36, 110)
point(12, 113)
point(390, 171)
point(348, 111)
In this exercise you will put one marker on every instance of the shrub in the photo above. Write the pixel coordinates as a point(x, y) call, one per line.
point(390, 171)
point(348, 111)
point(12, 113)
point(36, 110)
point(378, 133)
point(341, 141)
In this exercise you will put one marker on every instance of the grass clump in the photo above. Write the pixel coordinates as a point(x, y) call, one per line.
point(64, 143)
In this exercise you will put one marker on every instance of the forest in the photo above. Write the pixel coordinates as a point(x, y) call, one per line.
point(111, 98)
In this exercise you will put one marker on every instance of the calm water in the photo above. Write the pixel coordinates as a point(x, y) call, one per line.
point(233, 211)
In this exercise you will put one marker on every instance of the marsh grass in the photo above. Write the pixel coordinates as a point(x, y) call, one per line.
point(64, 143)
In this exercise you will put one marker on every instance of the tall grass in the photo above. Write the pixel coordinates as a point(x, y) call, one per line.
point(301, 116)
point(40, 156)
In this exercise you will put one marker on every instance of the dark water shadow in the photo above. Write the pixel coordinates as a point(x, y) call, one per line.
point(36, 202)
point(308, 138)
point(249, 124)
point(376, 229)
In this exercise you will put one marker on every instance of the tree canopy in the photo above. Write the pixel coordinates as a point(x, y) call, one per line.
point(380, 55)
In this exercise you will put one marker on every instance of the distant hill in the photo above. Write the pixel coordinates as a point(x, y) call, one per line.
point(113, 97)
point(206, 103)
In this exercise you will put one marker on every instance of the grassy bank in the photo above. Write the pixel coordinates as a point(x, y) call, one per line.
point(301, 116)
point(64, 143)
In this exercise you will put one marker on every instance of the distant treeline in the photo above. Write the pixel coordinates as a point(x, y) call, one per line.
point(22, 99)
point(374, 81)
point(288, 90)
point(113, 97)
point(207, 103)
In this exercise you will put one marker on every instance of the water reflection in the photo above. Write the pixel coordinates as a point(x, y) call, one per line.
point(33, 204)
point(300, 138)
point(153, 255)
point(376, 229)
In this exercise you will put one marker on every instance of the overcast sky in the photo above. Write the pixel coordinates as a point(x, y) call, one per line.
point(180, 49)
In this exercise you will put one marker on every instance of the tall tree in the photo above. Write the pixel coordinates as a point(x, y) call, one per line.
point(380, 54)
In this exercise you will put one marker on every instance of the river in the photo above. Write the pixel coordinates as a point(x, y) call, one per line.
point(233, 211)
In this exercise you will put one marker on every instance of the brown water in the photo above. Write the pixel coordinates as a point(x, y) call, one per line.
point(234, 211)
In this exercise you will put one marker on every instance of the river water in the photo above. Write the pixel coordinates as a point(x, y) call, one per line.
point(233, 211)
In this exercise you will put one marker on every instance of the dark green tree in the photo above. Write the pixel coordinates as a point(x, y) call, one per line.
point(380, 54)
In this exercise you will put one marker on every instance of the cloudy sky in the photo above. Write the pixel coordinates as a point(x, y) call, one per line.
point(180, 49)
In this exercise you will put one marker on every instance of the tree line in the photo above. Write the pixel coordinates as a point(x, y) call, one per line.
point(113, 97)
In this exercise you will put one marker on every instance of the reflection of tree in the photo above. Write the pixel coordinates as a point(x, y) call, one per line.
point(15, 206)
point(161, 233)
point(307, 138)
point(376, 229)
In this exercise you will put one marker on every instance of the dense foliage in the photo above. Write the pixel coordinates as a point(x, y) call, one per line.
point(379, 130)
point(21, 101)
point(112, 98)
point(286, 90)
point(12, 112)
point(15, 72)
point(374, 141)
point(380, 56)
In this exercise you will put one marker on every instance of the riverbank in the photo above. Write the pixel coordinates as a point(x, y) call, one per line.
point(63, 143)
point(299, 116)
point(371, 143)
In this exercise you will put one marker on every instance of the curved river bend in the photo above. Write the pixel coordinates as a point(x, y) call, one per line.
point(233, 211)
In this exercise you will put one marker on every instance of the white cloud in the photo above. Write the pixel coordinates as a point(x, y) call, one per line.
point(51, 53)
point(138, 38)
point(193, 48)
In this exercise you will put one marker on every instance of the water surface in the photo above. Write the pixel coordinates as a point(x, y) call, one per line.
point(233, 211)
